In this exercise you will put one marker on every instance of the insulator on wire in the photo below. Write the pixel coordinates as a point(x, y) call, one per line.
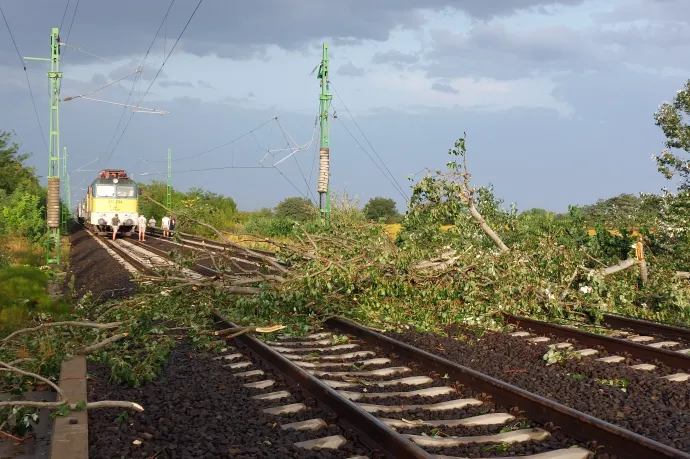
point(53, 202)
point(324, 168)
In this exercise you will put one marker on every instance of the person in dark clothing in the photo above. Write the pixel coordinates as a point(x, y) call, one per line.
point(115, 223)
point(172, 223)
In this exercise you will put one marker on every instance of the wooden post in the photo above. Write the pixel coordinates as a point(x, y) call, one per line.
point(639, 253)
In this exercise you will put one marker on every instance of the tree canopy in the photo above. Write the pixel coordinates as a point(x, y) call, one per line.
point(672, 119)
point(381, 208)
point(296, 208)
point(13, 172)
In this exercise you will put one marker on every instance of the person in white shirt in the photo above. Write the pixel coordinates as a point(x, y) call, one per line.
point(165, 225)
point(141, 223)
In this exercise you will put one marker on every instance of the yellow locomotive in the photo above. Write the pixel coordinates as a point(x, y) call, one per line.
point(112, 192)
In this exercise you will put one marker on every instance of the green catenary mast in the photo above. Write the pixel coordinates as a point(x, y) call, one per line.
point(53, 198)
point(324, 139)
point(65, 197)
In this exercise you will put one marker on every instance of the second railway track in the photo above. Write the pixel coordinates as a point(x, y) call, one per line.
point(406, 403)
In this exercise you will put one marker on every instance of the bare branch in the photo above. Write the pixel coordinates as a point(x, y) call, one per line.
point(63, 324)
point(106, 342)
point(10, 368)
point(73, 406)
point(623, 265)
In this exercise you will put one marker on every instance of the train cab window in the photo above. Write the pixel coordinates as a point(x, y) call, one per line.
point(125, 191)
point(105, 191)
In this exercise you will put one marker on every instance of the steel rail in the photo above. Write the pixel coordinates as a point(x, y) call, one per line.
point(139, 266)
point(581, 426)
point(646, 326)
point(370, 431)
point(157, 232)
point(612, 345)
point(201, 269)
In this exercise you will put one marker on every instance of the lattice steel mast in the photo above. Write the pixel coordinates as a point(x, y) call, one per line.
point(53, 200)
point(324, 139)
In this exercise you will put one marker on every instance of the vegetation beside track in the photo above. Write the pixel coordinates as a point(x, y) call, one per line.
point(445, 266)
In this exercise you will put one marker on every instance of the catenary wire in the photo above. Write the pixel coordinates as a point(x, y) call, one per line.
point(156, 76)
point(26, 74)
point(399, 187)
point(143, 60)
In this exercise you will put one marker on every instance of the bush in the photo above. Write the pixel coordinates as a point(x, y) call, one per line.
point(269, 226)
point(23, 215)
point(297, 209)
point(380, 208)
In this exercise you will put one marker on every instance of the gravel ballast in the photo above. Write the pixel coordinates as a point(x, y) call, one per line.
point(197, 409)
point(95, 270)
point(649, 406)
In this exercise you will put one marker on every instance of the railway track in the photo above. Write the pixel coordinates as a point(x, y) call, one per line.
point(403, 402)
point(193, 241)
point(642, 347)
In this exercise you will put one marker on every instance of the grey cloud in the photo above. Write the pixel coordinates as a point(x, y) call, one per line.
point(206, 85)
point(442, 87)
point(491, 50)
point(395, 58)
point(351, 69)
point(99, 78)
point(175, 84)
point(231, 29)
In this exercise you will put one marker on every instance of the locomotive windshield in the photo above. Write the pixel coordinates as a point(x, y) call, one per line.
point(105, 191)
point(125, 191)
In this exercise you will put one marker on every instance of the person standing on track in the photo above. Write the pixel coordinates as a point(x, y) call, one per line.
point(165, 225)
point(172, 223)
point(115, 223)
point(152, 223)
point(141, 223)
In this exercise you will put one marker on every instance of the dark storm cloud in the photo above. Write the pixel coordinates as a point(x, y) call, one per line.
point(492, 50)
point(228, 29)
point(441, 87)
point(350, 69)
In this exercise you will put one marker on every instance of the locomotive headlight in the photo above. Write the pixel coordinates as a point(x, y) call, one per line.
point(115, 180)
point(129, 221)
point(101, 221)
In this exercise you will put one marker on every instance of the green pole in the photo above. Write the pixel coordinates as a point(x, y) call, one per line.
point(168, 197)
point(64, 207)
point(53, 220)
point(324, 139)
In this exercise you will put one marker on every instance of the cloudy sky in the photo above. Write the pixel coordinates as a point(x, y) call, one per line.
point(557, 98)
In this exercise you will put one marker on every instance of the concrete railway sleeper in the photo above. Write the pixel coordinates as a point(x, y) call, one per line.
point(405, 402)
point(642, 347)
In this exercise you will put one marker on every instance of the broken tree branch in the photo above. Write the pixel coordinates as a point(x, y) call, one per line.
point(239, 247)
point(623, 265)
point(63, 324)
point(106, 342)
point(10, 368)
point(73, 406)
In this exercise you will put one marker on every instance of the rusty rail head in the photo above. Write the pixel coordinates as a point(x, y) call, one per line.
point(370, 431)
point(637, 350)
point(646, 326)
point(618, 441)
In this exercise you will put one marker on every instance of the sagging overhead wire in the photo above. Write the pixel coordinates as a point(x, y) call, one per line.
point(389, 176)
point(67, 99)
point(395, 185)
point(156, 76)
point(26, 74)
point(141, 65)
point(86, 52)
point(196, 155)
